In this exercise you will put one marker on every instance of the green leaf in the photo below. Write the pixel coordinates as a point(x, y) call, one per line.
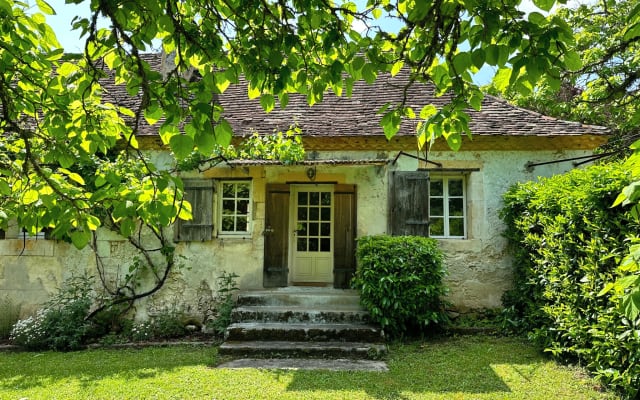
point(223, 132)
point(478, 58)
point(631, 304)
point(268, 102)
point(5, 189)
point(205, 141)
point(397, 67)
point(390, 124)
point(545, 5)
point(30, 197)
point(428, 111)
point(572, 61)
point(461, 62)
point(632, 32)
point(369, 73)
point(501, 79)
point(152, 114)
point(80, 239)
point(181, 145)
point(45, 7)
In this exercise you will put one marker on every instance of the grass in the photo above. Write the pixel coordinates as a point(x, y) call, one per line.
point(472, 367)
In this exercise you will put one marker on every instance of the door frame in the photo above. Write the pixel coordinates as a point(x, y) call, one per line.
point(293, 209)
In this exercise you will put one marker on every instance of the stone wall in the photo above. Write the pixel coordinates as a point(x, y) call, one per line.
point(479, 266)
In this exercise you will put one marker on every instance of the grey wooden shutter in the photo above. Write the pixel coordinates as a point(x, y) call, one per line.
point(276, 236)
point(409, 203)
point(199, 192)
point(344, 247)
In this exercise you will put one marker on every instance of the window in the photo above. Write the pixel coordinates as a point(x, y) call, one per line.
point(424, 205)
point(234, 207)
point(447, 207)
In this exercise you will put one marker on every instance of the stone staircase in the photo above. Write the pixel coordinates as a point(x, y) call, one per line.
point(301, 322)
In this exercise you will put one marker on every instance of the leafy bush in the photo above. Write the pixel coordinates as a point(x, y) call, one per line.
point(568, 242)
point(168, 325)
point(400, 282)
point(61, 323)
point(9, 315)
point(223, 303)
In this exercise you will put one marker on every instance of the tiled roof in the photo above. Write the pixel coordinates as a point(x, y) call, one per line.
point(357, 115)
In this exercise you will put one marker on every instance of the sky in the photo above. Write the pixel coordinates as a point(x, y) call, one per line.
point(71, 42)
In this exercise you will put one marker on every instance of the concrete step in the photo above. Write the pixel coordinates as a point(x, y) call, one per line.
point(295, 314)
point(301, 297)
point(303, 332)
point(314, 364)
point(280, 349)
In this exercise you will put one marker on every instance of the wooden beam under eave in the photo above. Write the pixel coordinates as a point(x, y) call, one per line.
point(478, 143)
point(398, 143)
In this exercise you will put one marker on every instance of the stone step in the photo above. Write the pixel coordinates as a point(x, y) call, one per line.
point(303, 332)
point(280, 349)
point(301, 297)
point(296, 314)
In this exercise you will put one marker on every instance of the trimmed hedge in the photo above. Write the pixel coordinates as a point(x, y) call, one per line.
point(568, 242)
point(400, 279)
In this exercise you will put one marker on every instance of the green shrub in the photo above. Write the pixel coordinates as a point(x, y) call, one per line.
point(223, 303)
point(61, 323)
point(168, 324)
point(9, 315)
point(567, 242)
point(400, 282)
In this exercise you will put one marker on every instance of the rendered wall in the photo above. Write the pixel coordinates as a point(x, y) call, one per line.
point(479, 266)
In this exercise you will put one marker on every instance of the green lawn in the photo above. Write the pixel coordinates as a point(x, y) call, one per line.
point(475, 367)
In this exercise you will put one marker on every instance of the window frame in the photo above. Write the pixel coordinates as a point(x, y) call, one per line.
point(220, 198)
point(446, 196)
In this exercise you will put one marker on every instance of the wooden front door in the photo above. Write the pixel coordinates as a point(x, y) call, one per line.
point(312, 240)
point(284, 264)
point(276, 236)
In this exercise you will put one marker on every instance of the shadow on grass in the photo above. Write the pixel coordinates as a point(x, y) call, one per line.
point(437, 366)
point(26, 370)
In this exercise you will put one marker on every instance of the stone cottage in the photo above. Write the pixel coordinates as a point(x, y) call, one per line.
point(280, 225)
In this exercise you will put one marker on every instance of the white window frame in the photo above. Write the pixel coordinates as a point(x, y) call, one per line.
point(220, 209)
point(445, 203)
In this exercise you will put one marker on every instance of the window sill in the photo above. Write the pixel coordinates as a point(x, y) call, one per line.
point(230, 236)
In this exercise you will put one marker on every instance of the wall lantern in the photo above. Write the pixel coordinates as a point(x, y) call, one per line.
point(311, 173)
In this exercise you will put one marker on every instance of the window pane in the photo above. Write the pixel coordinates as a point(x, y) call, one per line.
point(436, 228)
point(228, 207)
point(435, 188)
point(325, 244)
point(241, 224)
point(456, 207)
point(313, 229)
point(302, 214)
point(302, 244)
point(314, 213)
point(325, 229)
point(456, 227)
point(302, 229)
point(436, 207)
point(243, 207)
point(243, 190)
point(455, 187)
point(325, 198)
point(313, 244)
point(228, 190)
point(314, 198)
point(227, 224)
point(325, 212)
point(303, 198)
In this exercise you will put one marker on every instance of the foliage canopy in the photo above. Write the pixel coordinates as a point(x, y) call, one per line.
point(69, 158)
